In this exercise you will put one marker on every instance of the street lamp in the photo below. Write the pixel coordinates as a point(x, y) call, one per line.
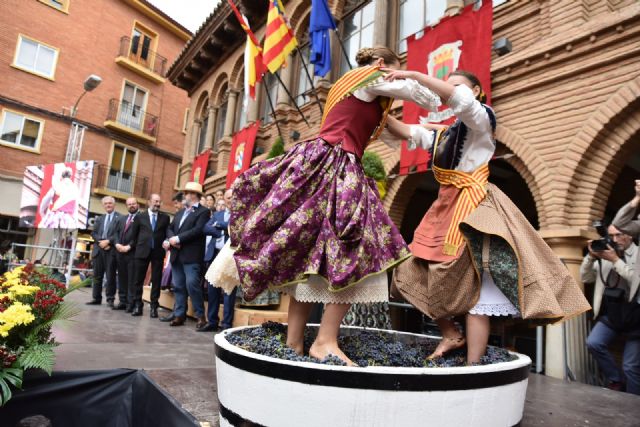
point(90, 84)
point(74, 146)
point(76, 134)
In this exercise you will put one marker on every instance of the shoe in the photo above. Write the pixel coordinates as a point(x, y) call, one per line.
point(137, 310)
point(94, 302)
point(120, 306)
point(202, 322)
point(447, 345)
point(168, 318)
point(178, 321)
point(207, 328)
point(153, 312)
point(129, 308)
point(110, 304)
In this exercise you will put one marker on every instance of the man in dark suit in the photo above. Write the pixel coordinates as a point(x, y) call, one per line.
point(149, 231)
point(103, 254)
point(217, 228)
point(186, 242)
point(125, 247)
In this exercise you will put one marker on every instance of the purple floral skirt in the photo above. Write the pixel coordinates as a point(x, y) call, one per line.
point(310, 211)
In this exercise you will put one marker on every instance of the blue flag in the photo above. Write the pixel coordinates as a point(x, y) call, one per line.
point(320, 23)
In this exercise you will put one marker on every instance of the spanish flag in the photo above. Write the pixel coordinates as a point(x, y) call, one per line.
point(279, 40)
point(253, 63)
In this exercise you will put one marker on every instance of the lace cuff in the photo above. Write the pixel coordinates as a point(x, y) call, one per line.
point(423, 96)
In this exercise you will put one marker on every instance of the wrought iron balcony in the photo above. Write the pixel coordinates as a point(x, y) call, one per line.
point(131, 119)
point(140, 54)
point(116, 181)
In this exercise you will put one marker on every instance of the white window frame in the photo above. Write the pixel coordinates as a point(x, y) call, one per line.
point(18, 145)
point(40, 45)
point(64, 5)
point(344, 67)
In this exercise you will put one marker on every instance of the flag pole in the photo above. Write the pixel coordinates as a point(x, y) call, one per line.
point(344, 51)
point(292, 98)
point(273, 111)
point(313, 88)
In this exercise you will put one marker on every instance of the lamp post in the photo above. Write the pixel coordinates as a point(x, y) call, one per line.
point(74, 146)
point(76, 134)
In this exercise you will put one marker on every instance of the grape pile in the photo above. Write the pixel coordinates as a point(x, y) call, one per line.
point(364, 347)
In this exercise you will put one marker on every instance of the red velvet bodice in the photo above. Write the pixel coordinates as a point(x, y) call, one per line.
point(351, 123)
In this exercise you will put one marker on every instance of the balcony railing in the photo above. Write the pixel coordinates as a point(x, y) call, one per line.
point(143, 56)
point(121, 182)
point(133, 117)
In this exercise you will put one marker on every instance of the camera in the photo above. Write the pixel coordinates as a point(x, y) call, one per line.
point(606, 240)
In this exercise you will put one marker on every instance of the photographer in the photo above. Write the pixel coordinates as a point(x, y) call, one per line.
point(615, 306)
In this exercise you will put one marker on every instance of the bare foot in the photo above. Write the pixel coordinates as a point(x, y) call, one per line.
point(446, 345)
point(320, 351)
point(297, 347)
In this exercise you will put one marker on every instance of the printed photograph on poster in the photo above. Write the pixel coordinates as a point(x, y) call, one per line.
point(56, 195)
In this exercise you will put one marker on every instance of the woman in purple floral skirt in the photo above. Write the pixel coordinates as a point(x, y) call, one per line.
point(310, 223)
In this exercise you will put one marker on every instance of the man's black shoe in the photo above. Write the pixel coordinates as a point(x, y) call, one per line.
point(137, 311)
point(110, 304)
point(121, 306)
point(129, 308)
point(153, 313)
point(168, 318)
point(94, 302)
point(207, 328)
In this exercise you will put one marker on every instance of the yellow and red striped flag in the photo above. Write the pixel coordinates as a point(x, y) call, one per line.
point(253, 62)
point(279, 40)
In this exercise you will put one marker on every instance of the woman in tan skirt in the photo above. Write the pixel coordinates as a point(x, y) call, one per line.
point(474, 253)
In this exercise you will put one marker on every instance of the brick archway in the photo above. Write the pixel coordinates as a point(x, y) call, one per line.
point(609, 135)
point(236, 78)
point(529, 165)
point(216, 95)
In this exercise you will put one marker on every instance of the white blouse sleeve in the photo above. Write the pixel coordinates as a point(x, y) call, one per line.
point(420, 137)
point(405, 90)
point(468, 109)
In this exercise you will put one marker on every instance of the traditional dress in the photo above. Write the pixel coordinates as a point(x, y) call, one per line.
point(474, 251)
point(310, 222)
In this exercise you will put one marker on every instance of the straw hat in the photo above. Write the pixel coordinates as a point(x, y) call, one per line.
point(193, 187)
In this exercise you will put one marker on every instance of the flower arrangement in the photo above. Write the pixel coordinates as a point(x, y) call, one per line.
point(30, 302)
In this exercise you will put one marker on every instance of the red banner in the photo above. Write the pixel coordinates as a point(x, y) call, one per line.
point(460, 42)
point(200, 167)
point(241, 151)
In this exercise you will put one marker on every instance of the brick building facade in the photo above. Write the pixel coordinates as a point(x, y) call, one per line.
point(566, 98)
point(134, 118)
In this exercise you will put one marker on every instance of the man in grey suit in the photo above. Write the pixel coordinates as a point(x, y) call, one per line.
point(103, 254)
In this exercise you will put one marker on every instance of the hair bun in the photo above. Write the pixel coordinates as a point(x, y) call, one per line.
point(364, 56)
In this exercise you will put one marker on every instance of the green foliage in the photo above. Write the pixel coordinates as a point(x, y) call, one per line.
point(9, 376)
point(373, 166)
point(277, 149)
point(38, 356)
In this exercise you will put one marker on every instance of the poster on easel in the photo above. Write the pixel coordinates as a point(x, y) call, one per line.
point(56, 195)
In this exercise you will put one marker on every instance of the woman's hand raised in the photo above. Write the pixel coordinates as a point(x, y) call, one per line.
point(392, 74)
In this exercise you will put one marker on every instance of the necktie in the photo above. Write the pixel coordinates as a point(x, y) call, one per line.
point(126, 226)
point(184, 216)
point(105, 229)
point(153, 227)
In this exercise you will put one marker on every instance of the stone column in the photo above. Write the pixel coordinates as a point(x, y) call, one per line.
point(453, 7)
point(231, 113)
point(567, 243)
point(195, 135)
point(286, 75)
point(211, 123)
point(381, 24)
point(253, 109)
